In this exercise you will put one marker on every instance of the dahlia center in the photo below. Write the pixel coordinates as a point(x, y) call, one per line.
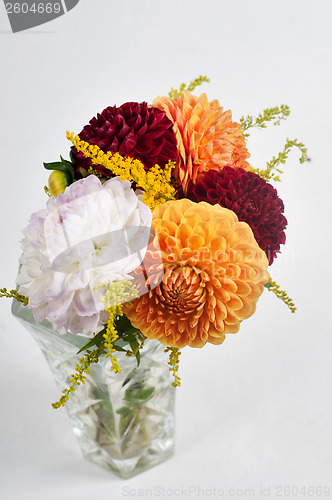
point(182, 291)
point(253, 204)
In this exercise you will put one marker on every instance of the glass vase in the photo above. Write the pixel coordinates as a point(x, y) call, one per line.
point(123, 421)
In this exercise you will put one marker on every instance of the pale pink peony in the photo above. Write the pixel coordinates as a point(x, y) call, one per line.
point(92, 233)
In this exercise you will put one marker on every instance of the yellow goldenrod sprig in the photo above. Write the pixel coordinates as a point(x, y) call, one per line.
point(93, 171)
point(192, 85)
point(155, 183)
point(48, 192)
point(110, 336)
point(268, 173)
point(116, 294)
point(272, 286)
point(13, 294)
point(174, 353)
point(79, 377)
point(275, 115)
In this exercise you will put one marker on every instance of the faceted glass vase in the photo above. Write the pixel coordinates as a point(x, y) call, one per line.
point(123, 421)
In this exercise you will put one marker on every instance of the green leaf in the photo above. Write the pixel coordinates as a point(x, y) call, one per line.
point(106, 409)
point(95, 341)
point(268, 285)
point(132, 341)
point(123, 411)
point(57, 165)
point(130, 338)
point(148, 393)
point(138, 393)
point(70, 167)
point(123, 326)
point(138, 357)
point(119, 348)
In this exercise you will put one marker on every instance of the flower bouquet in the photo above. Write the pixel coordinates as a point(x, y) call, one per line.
point(157, 235)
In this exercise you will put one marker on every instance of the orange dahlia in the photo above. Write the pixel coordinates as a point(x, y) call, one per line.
point(205, 274)
point(207, 138)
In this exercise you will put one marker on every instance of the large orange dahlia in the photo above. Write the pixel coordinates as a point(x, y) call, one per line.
point(207, 138)
point(209, 272)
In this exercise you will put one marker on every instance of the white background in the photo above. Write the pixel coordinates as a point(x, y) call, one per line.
point(255, 412)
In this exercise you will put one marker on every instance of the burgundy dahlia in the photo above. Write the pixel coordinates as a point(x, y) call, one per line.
point(254, 201)
point(136, 130)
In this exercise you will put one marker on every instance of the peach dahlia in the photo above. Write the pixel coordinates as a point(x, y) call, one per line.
point(207, 138)
point(205, 274)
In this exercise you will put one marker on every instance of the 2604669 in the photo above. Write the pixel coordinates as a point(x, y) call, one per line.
point(35, 8)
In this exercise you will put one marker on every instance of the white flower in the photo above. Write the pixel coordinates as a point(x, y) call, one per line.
point(92, 233)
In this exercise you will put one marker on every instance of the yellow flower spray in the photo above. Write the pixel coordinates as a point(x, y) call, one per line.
point(116, 293)
point(156, 183)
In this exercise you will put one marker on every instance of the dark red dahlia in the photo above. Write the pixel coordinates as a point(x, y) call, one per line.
point(254, 201)
point(136, 130)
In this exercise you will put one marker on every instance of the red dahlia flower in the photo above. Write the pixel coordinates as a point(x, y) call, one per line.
point(254, 201)
point(135, 130)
